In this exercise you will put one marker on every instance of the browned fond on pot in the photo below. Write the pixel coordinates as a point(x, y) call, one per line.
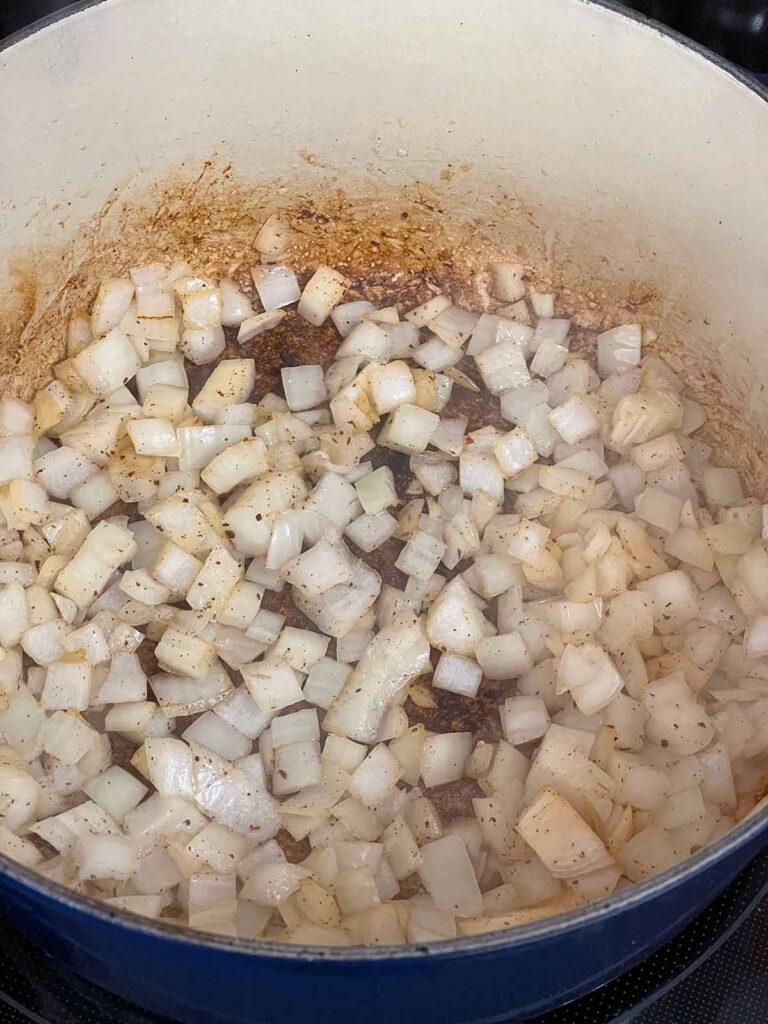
point(404, 240)
point(401, 252)
point(389, 269)
point(397, 246)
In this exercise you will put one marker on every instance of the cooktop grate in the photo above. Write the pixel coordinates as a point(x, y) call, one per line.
point(715, 972)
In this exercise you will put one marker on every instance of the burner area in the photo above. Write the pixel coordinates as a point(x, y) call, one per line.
point(714, 972)
point(736, 29)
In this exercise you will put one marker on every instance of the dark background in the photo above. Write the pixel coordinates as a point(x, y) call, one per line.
point(738, 29)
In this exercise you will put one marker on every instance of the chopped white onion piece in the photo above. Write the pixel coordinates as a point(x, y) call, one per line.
point(457, 675)
point(421, 315)
point(375, 776)
point(524, 719)
point(324, 682)
point(274, 236)
point(369, 532)
point(349, 314)
point(322, 292)
point(508, 281)
point(504, 656)
point(111, 304)
point(235, 305)
point(304, 387)
point(449, 877)
point(502, 367)
point(590, 676)
point(436, 355)
point(561, 838)
point(395, 656)
point(276, 286)
point(319, 569)
point(675, 719)
point(258, 324)
point(367, 341)
point(444, 756)
point(408, 428)
point(272, 684)
point(421, 556)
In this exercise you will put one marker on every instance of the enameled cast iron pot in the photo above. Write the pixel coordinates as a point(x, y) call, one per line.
point(625, 163)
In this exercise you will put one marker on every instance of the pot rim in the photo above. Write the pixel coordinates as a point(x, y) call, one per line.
point(535, 932)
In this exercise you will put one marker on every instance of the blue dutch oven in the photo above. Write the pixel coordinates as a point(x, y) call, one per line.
point(634, 123)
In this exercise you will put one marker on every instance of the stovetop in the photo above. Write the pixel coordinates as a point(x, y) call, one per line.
point(716, 971)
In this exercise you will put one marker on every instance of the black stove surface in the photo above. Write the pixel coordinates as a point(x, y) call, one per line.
point(716, 971)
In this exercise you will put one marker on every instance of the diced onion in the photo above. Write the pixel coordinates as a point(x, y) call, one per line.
point(584, 562)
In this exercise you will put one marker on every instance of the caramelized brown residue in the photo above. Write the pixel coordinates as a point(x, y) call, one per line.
point(396, 245)
point(403, 241)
